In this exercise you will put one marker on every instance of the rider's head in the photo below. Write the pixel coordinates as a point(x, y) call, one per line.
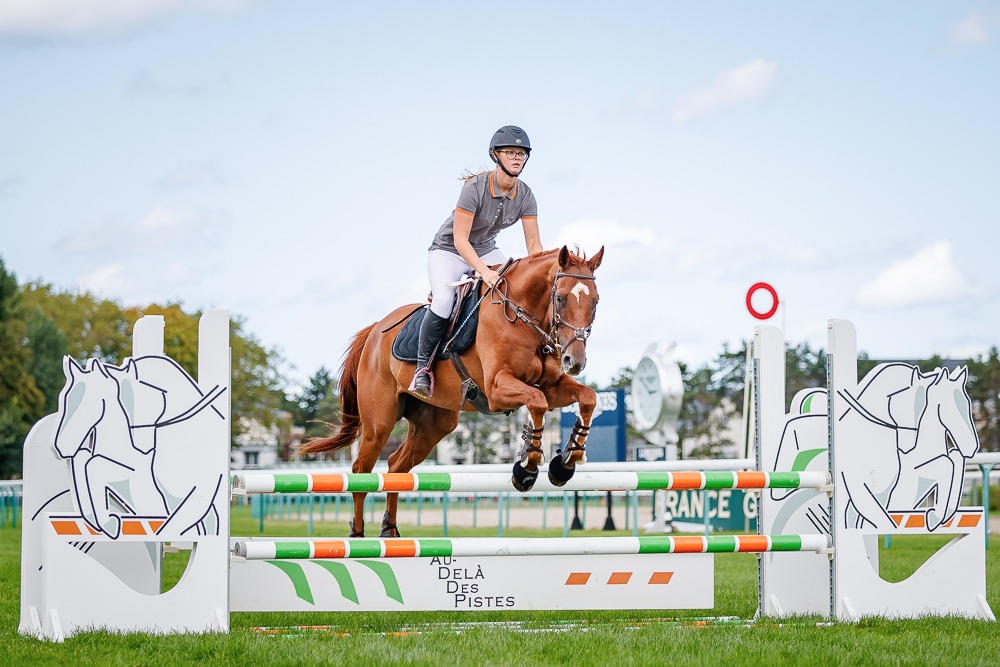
point(510, 149)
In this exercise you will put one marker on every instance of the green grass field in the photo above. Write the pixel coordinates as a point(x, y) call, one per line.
point(587, 638)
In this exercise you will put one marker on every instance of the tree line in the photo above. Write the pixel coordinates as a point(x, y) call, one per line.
point(40, 324)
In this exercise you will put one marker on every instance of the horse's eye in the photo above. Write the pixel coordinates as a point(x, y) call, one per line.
point(560, 300)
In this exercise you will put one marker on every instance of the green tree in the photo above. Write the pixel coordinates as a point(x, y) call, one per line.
point(21, 402)
point(93, 327)
point(805, 368)
point(317, 407)
point(984, 390)
point(46, 346)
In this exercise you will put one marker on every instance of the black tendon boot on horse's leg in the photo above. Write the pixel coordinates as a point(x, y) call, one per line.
point(522, 478)
point(559, 472)
point(388, 527)
point(431, 330)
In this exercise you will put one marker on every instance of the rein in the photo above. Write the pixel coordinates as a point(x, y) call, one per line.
point(549, 338)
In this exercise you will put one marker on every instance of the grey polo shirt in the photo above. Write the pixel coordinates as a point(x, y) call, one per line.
point(491, 212)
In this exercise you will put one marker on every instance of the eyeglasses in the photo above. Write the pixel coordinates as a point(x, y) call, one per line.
point(514, 155)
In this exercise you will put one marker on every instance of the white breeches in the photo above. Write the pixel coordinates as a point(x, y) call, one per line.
point(445, 267)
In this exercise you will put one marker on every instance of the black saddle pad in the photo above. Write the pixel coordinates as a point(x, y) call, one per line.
point(404, 347)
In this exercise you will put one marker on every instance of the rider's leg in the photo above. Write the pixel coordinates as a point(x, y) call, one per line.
point(443, 267)
point(431, 331)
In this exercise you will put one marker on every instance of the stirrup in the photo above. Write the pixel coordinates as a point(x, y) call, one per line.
point(413, 383)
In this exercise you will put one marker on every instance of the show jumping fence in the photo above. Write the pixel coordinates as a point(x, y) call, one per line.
point(817, 541)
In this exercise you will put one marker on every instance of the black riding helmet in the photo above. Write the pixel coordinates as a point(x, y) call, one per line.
point(510, 136)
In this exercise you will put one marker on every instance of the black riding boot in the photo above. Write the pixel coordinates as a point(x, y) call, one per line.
point(431, 330)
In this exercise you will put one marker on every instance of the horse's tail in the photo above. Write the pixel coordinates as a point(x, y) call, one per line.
point(350, 422)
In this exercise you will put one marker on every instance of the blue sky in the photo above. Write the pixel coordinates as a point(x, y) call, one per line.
point(292, 161)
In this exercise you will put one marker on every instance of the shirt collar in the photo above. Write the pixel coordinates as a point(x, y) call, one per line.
point(495, 187)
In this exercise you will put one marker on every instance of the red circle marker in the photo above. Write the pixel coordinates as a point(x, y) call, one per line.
point(774, 305)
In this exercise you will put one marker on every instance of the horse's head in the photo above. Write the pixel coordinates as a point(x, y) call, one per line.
point(948, 398)
point(574, 305)
point(82, 404)
point(143, 402)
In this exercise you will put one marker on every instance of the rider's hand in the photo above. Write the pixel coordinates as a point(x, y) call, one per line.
point(491, 277)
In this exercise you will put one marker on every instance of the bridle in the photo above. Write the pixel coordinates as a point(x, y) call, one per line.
point(550, 338)
point(579, 333)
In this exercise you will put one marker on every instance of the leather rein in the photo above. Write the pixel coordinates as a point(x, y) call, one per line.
point(549, 339)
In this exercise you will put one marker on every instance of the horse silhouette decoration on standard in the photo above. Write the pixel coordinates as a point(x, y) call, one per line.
point(916, 434)
point(132, 435)
point(531, 337)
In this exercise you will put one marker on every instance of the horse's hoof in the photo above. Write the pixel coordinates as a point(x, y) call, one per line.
point(388, 527)
point(932, 520)
point(523, 479)
point(357, 533)
point(559, 473)
point(112, 527)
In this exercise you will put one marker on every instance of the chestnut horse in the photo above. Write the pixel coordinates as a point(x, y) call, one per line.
point(531, 337)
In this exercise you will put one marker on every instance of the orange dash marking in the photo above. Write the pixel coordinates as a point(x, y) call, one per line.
point(66, 527)
point(133, 528)
point(661, 577)
point(618, 578)
point(577, 578)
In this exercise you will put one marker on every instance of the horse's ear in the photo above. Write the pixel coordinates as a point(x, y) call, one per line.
point(961, 375)
point(70, 367)
point(595, 261)
point(563, 257)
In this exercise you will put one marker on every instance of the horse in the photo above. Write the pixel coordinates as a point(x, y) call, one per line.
point(530, 339)
point(127, 431)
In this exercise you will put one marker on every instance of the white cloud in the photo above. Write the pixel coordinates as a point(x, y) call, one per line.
point(160, 229)
point(970, 30)
point(107, 279)
point(590, 234)
point(55, 18)
point(747, 82)
point(929, 276)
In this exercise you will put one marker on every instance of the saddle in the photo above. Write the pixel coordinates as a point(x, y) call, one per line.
point(462, 326)
point(457, 338)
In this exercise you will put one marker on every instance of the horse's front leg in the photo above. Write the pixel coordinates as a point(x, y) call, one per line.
point(509, 393)
point(566, 392)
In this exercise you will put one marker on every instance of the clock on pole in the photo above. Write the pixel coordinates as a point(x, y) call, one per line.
point(657, 390)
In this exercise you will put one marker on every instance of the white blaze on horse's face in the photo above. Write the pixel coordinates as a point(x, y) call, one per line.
point(575, 310)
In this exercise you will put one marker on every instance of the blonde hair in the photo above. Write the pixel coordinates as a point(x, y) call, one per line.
point(467, 175)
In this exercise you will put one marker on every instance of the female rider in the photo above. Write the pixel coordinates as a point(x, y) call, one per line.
point(489, 202)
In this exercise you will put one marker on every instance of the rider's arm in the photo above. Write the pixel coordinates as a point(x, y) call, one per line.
point(462, 229)
point(532, 240)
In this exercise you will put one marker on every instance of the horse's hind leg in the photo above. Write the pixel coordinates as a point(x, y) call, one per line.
point(363, 464)
point(427, 425)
